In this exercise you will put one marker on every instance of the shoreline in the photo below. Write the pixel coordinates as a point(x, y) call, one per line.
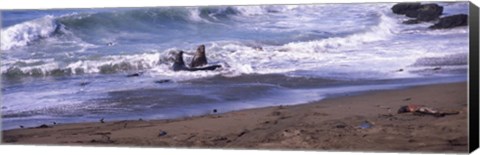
point(323, 91)
point(329, 124)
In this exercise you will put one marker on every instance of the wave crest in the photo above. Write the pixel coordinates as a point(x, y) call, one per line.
point(27, 32)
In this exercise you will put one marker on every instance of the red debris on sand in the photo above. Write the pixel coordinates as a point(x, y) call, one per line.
point(421, 109)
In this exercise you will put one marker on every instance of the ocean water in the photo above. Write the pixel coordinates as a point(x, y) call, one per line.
point(71, 65)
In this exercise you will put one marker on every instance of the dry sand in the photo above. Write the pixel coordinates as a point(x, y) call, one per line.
point(331, 124)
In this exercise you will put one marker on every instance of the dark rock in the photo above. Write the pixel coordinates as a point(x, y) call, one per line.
point(412, 13)
point(163, 81)
point(402, 8)
point(426, 12)
point(422, 12)
point(429, 12)
point(437, 68)
point(21, 126)
point(214, 110)
point(102, 120)
point(451, 21)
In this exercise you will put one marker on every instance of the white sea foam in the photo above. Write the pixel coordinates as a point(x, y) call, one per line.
point(26, 32)
point(366, 33)
point(117, 63)
point(18, 102)
point(135, 61)
point(384, 30)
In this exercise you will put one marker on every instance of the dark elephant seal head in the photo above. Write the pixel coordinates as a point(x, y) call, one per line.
point(199, 59)
point(178, 63)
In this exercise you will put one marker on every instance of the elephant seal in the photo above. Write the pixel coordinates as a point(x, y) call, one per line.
point(199, 59)
point(179, 64)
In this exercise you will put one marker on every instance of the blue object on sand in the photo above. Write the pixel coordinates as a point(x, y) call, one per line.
point(366, 125)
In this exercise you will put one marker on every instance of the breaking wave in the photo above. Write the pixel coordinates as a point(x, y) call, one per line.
point(23, 34)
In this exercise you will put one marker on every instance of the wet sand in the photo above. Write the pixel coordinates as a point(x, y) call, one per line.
point(331, 124)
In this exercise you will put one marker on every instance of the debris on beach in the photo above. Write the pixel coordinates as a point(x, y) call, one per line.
point(366, 125)
point(21, 126)
point(162, 133)
point(459, 141)
point(423, 110)
point(42, 126)
point(341, 126)
point(243, 133)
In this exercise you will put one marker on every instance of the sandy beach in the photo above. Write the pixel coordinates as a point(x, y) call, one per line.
point(330, 124)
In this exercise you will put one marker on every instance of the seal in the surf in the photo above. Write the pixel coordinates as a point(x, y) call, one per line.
point(200, 58)
point(179, 64)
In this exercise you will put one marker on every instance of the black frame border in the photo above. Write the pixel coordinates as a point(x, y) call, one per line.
point(473, 78)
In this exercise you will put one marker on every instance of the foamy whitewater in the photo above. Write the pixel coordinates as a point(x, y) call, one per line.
point(72, 65)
